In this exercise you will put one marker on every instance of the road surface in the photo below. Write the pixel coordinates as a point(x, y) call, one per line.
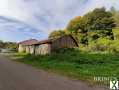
point(17, 76)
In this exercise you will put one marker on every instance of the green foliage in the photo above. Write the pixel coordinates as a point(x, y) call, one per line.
point(115, 14)
point(100, 44)
point(114, 47)
point(80, 38)
point(8, 45)
point(56, 34)
point(98, 21)
point(116, 33)
point(93, 35)
point(74, 63)
point(84, 39)
point(73, 25)
point(1, 44)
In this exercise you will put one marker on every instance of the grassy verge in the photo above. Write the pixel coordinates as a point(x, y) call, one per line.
point(75, 64)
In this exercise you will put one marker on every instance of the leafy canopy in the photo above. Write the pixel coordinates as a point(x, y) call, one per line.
point(98, 19)
point(115, 14)
point(56, 34)
point(73, 25)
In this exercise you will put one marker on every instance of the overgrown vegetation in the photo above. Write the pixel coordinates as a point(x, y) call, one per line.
point(75, 63)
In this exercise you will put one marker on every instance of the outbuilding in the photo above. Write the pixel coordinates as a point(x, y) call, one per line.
point(47, 46)
point(66, 41)
point(26, 46)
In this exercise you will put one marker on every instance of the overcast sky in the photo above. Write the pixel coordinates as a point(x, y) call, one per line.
point(24, 19)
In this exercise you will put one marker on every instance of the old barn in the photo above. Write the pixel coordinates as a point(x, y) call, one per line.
point(43, 47)
point(66, 41)
point(26, 46)
point(48, 46)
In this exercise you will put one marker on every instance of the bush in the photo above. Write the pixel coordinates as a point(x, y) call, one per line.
point(100, 44)
point(116, 33)
point(114, 46)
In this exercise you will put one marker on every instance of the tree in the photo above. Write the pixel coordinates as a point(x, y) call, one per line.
point(8, 45)
point(56, 34)
point(74, 28)
point(73, 25)
point(102, 20)
point(99, 19)
point(115, 14)
point(1, 44)
point(11, 45)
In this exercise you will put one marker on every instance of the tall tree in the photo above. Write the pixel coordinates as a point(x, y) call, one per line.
point(115, 14)
point(56, 34)
point(73, 25)
point(98, 20)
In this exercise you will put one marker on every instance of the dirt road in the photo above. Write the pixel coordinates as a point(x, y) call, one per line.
point(17, 76)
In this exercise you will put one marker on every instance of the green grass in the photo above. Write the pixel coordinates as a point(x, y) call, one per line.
point(75, 64)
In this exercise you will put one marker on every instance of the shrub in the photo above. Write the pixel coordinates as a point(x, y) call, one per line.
point(116, 33)
point(114, 46)
point(99, 45)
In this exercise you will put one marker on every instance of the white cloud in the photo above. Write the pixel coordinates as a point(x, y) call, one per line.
point(10, 8)
point(92, 4)
point(47, 15)
point(37, 13)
